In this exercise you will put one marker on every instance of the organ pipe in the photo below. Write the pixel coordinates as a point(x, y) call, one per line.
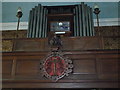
point(92, 26)
point(30, 24)
point(32, 27)
point(87, 21)
point(38, 21)
point(80, 22)
point(34, 22)
point(83, 21)
point(77, 27)
point(74, 22)
point(40, 31)
point(46, 12)
point(90, 22)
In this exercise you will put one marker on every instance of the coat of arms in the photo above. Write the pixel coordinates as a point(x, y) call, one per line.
point(56, 65)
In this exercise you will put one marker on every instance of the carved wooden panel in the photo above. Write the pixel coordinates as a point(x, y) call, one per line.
point(7, 67)
point(27, 67)
point(30, 45)
point(87, 43)
point(69, 43)
point(91, 70)
point(83, 43)
point(84, 67)
point(108, 68)
point(81, 56)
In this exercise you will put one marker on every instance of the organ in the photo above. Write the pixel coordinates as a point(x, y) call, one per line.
point(78, 18)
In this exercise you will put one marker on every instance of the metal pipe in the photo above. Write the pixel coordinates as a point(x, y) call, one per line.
point(34, 22)
point(43, 24)
point(38, 21)
point(83, 19)
point(77, 29)
point(41, 13)
point(87, 21)
point(74, 22)
point(92, 25)
point(46, 23)
point(29, 24)
point(17, 27)
point(80, 21)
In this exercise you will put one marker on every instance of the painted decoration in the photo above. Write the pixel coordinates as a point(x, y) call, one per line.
point(55, 66)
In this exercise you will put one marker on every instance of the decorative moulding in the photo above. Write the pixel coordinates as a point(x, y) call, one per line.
point(55, 66)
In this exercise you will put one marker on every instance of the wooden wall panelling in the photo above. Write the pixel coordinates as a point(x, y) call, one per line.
point(91, 70)
point(6, 68)
point(108, 69)
point(69, 43)
point(27, 68)
point(107, 66)
point(68, 85)
point(31, 45)
point(82, 43)
point(7, 63)
point(84, 67)
point(14, 64)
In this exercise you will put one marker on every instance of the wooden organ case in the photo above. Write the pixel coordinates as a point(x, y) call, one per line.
point(75, 20)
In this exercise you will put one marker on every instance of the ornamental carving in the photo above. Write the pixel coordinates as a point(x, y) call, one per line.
point(55, 66)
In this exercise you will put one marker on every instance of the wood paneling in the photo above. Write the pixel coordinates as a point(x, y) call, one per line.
point(31, 45)
point(86, 43)
point(84, 67)
point(69, 43)
point(108, 68)
point(92, 68)
point(27, 67)
point(7, 67)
